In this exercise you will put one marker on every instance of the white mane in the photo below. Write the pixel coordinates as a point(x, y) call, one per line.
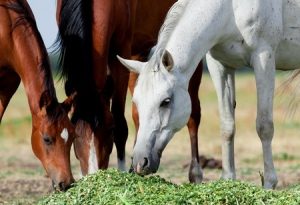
point(171, 20)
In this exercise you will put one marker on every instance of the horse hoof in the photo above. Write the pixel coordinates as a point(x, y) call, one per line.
point(270, 182)
point(195, 172)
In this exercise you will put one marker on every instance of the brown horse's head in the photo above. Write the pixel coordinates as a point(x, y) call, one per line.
point(93, 146)
point(52, 137)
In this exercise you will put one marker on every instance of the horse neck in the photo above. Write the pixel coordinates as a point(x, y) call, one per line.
point(32, 64)
point(201, 26)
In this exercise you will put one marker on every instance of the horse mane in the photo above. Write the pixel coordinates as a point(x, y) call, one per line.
point(74, 41)
point(172, 18)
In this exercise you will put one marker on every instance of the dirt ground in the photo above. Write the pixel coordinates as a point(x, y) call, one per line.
point(23, 180)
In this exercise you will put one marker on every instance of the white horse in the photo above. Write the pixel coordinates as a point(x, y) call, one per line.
point(262, 34)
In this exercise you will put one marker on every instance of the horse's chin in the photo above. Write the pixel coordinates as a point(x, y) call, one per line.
point(144, 172)
point(60, 186)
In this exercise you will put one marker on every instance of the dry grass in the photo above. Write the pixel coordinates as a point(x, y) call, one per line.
point(17, 161)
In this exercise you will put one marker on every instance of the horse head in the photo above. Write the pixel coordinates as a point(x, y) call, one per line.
point(52, 137)
point(94, 136)
point(164, 107)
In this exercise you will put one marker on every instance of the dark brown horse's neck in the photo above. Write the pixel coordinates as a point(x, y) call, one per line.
point(35, 74)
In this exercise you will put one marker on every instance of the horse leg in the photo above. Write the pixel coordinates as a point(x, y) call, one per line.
point(9, 83)
point(195, 172)
point(263, 62)
point(120, 76)
point(224, 82)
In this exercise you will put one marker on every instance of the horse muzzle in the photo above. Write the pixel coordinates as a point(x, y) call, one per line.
point(144, 166)
point(62, 185)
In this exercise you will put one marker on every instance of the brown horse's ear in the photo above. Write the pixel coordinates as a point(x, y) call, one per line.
point(167, 60)
point(67, 104)
point(45, 101)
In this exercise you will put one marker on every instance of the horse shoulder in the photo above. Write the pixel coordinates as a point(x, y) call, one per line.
point(259, 20)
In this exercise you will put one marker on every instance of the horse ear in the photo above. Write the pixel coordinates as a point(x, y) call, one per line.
point(132, 65)
point(45, 101)
point(167, 60)
point(67, 104)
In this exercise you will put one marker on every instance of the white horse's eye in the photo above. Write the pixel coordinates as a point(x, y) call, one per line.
point(165, 102)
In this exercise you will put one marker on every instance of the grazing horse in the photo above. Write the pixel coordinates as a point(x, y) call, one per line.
point(23, 57)
point(147, 23)
point(263, 35)
point(91, 34)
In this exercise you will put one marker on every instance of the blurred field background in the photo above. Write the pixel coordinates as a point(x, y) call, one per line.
point(23, 181)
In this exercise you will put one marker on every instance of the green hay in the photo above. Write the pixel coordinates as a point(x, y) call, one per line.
point(114, 187)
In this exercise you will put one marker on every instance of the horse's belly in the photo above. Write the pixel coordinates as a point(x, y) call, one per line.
point(287, 56)
point(231, 53)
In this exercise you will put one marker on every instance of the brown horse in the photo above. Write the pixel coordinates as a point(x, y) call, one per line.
point(146, 27)
point(23, 57)
point(92, 33)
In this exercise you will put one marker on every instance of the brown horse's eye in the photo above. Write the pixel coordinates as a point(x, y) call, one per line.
point(47, 140)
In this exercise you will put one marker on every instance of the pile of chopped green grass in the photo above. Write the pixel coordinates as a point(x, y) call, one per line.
point(114, 187)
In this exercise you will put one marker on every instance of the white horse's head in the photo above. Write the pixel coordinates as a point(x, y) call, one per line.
point(163, 104)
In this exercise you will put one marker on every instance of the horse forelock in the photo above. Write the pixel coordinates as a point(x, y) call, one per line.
point(54, 110)
point(89, 107)
point(150, 81)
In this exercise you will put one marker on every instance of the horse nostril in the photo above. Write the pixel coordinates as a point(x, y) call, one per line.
point(62, 186)
point(145, 162)
point(142, 166)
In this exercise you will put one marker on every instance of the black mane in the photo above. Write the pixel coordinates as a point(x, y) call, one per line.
point(75, 62)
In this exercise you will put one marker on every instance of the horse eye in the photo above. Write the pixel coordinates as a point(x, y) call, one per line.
point(48, 140)
point(165, 102)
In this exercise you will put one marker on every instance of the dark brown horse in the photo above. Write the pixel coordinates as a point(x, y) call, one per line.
point(146, 27)
point(92, 33)
point(23, 57)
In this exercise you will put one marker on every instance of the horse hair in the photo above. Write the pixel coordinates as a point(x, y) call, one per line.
point(171, 20)
point(75, 61)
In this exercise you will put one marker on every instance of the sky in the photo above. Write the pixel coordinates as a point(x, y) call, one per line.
point(44, 12)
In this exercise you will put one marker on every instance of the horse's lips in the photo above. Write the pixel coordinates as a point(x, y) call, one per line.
point(139, 168)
